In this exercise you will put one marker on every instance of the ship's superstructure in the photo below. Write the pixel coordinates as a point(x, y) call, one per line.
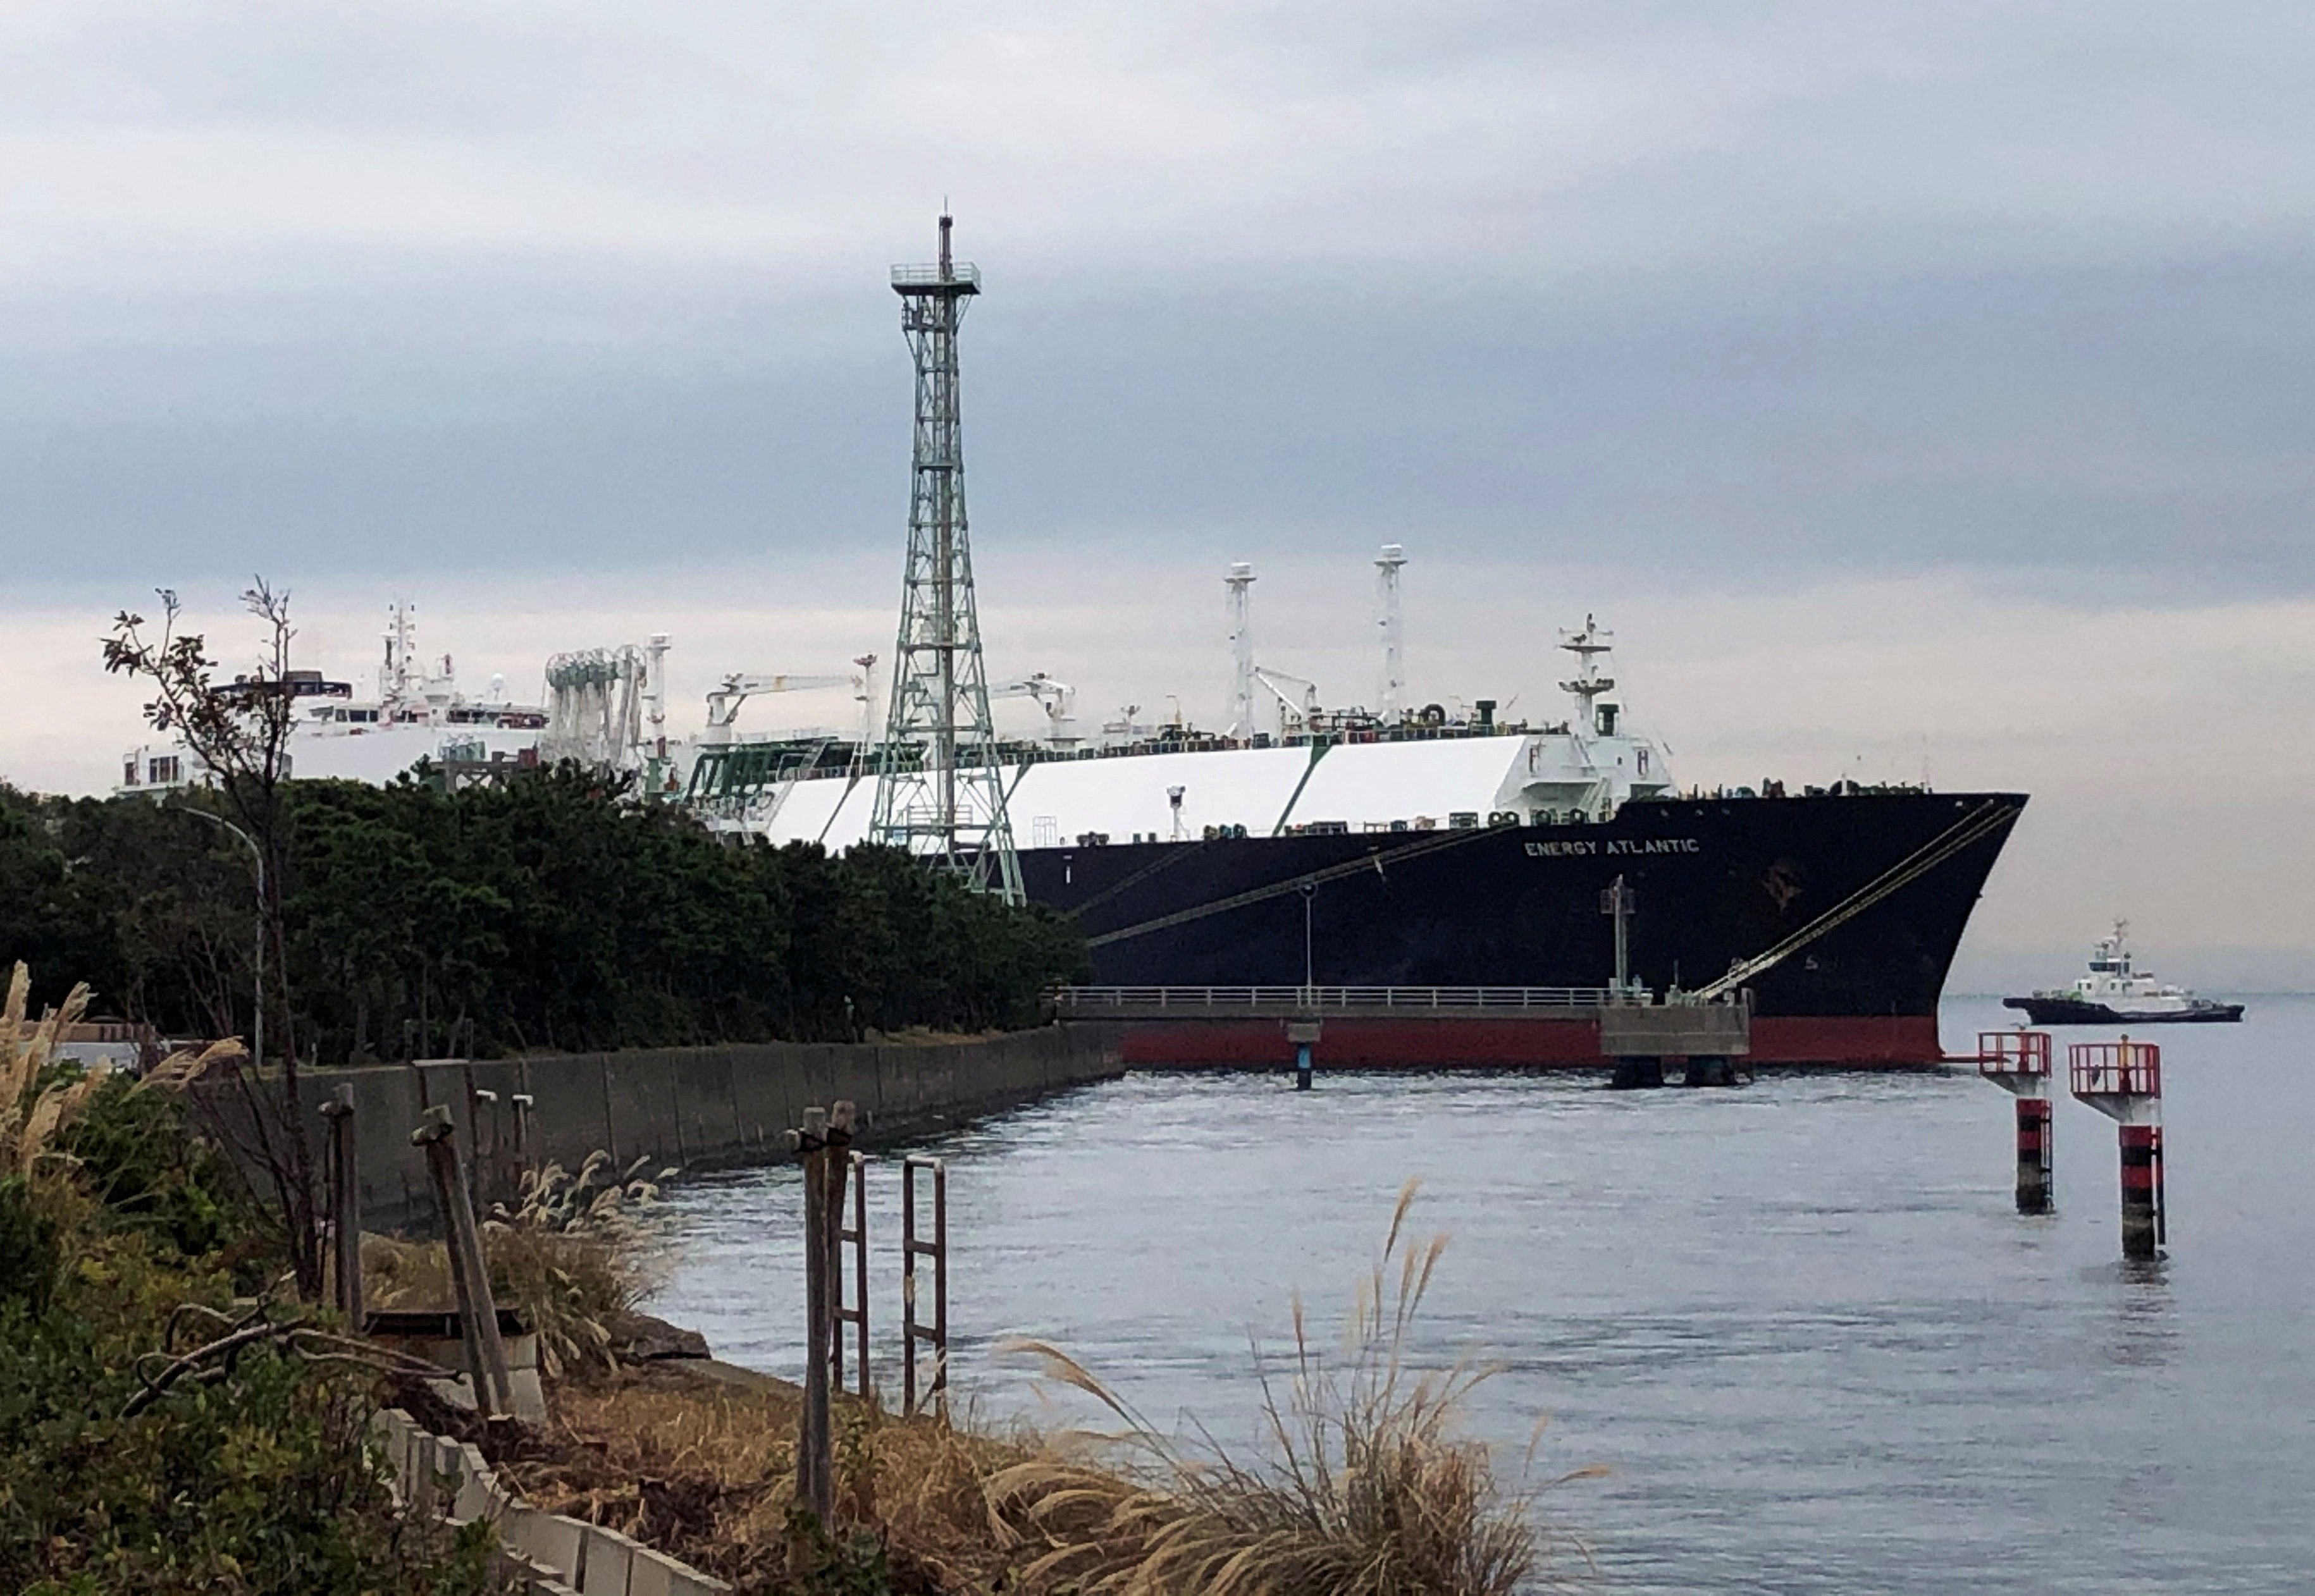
point(418, 712)
point(1305, 769)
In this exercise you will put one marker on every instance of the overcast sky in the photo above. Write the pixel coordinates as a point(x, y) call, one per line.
point(1901, 380)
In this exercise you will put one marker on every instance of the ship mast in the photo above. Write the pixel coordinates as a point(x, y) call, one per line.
point(1394, 655)
point(1241, 641)
point(401, 638)
point(1587, 644)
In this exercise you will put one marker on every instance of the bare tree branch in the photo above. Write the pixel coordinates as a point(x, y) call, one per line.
point(238, 733)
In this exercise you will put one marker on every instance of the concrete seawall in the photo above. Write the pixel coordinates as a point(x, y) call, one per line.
point(696, 1108)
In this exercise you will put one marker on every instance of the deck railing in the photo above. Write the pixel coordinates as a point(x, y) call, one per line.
point(1096, 1000)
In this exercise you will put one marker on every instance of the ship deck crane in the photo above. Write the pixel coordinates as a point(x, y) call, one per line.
point(724, 701)
point(1055, 698)
point(1306, 709)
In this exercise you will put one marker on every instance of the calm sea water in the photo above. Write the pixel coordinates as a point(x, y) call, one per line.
point(1800, 1322)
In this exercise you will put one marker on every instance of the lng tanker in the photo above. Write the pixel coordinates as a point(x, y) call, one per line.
point(1437, 846)
point(1447, 847)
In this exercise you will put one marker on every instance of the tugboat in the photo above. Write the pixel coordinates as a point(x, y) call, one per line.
point(2113, 993)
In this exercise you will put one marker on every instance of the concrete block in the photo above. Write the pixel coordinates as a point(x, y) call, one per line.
point(652, 1573)
point(655, 1574)
point(549, 1539)
point(1686, 1030)
point(448, 1465)
point(472, 1499)
point(411, 1459)
point(529, 1395)
point(607, 1557)
point(501, 1504)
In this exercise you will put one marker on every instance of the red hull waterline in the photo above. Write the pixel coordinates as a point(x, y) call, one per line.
point(1825, 1041)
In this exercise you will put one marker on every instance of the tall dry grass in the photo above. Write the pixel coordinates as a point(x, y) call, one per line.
point(1365, 1483)
point(34, 1116)
point(569, 1258)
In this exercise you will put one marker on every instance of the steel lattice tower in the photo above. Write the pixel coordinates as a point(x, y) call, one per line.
point(940, 791)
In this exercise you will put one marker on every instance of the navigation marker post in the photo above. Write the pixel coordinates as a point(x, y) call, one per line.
point(2122, 1080)
point(2019, 1062)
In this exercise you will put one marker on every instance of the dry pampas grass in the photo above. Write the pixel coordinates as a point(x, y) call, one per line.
point(1365, 1485)
point(569, 1258)
point(34, 1116)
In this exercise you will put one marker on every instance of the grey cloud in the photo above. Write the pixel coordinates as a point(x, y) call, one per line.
point(1850, 284)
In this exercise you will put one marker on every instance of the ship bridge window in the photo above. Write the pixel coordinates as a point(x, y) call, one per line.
point(1607, 720)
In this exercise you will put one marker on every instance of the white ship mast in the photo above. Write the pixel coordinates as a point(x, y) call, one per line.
point(1241, 641)
point(1587, 644)
point(1394, 657)
point(395, 681)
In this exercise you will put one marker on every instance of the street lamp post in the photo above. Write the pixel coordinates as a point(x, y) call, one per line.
point(1309, 891)
point(257, 859)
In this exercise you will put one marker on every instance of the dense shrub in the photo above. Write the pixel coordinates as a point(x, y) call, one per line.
point(550, 912)
point(264, 1482)
point(148, 1175)
point(29, 1255)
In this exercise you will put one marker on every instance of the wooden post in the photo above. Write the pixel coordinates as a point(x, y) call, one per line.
point(345, 1204)
point(824, 1144)
point(475, 1164)
point(521, 1102)
point(470, 1276)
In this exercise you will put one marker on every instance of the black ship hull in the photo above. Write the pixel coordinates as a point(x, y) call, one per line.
point(2073, 1011)
point(1714, 881)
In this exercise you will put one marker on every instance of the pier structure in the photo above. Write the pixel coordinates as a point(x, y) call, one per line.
point(1454, 1027)
point(2019, 1062)
point(940, 791)
point(2122, 1080)
point(1304, 1035)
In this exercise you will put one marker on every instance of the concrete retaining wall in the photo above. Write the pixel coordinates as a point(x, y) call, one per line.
point(698, 1108)
point(549, 1555)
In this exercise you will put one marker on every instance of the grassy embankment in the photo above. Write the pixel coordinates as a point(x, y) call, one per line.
point(1366, 1486)
point(130, 1463)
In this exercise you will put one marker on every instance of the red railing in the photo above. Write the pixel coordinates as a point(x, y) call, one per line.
point(2124, 1068)
point(2013, 1053)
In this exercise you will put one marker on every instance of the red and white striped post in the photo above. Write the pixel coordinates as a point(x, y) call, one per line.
point(2124, 1081)
point(2018, 1061)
